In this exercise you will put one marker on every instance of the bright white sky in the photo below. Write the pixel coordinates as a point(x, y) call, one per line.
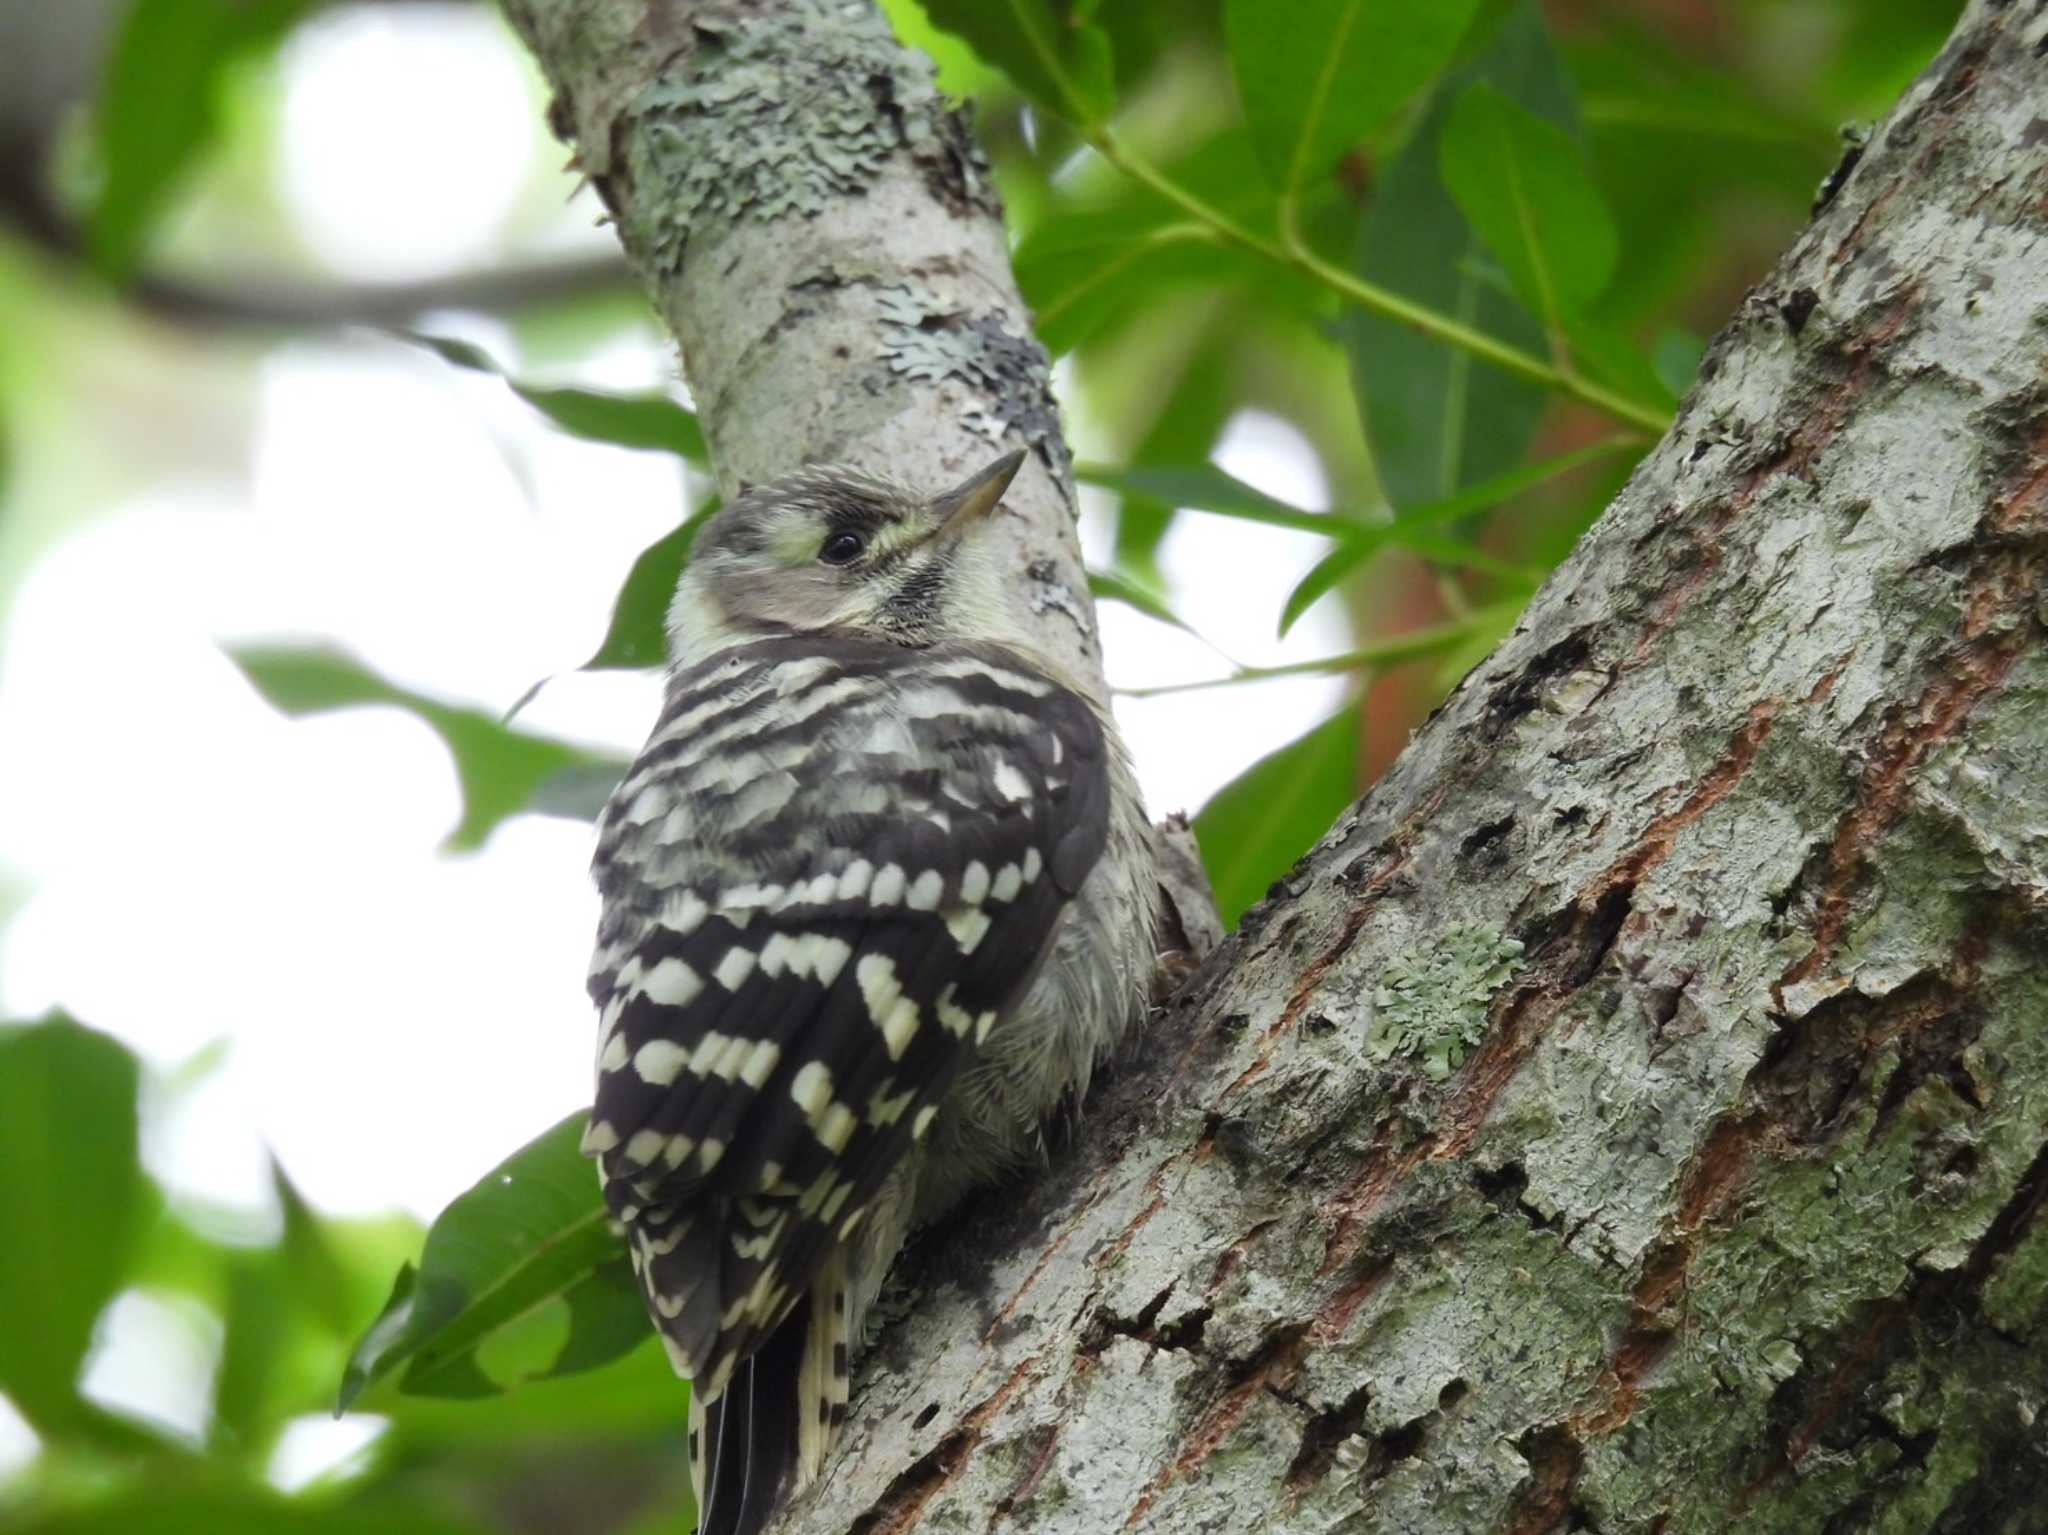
point(204, 872)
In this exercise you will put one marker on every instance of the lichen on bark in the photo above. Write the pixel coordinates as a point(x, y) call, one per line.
point(792, 185)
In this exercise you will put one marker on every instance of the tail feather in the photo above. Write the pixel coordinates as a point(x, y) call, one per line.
point(766, 1435)
point(822, 1383)
point(750, 1434)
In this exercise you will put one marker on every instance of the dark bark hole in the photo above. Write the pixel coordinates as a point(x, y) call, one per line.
point(1661, 1002)
point(1545, 1502)
point(1487, 843)
point(1781, 902)
point(1183, 1333)
point(924, 1418)
point(1599, 932)
point(1321, 1437)
point(1236, 1137)
point(1517, 696)
point(1405, 1442)
point(1454, 1392)
point(1503, 1186)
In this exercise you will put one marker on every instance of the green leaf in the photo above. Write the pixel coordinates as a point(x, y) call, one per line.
point(522, 1278)
point(1205, 488)
point(651, 421)
point(1258, 825)
point(1676, 357)
point(1084, 271)
point(1525, 186)
point(1088, 263)
point(502, 772)
point(1050, 49)
point(1199, 396)
point(1436, 420)
point(1406, 529)
point(1116, 586)
point(1607, 356)
point(158, 108)
point(179, 1510)
point(288, 1312)
point(636, 1395)
point(1324, 75)
point(960, 73)
point(638, 636)
point(1488, 627)
point(73, 1202)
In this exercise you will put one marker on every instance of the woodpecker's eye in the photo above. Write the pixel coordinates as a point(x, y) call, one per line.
point(842, 548)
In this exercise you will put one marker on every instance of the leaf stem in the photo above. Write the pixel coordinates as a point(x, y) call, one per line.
point(1402, 647)
point(1294, 251)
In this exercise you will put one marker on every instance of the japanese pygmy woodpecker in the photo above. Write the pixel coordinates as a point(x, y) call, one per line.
point(877, 895)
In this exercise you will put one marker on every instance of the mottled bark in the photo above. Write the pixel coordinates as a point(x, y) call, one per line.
point(819, 231)
point(1731, 866)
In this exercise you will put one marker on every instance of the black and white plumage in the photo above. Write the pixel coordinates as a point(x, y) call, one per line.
point(876, 896)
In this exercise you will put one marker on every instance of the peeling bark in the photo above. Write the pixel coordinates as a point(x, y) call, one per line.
point(1734, 1212)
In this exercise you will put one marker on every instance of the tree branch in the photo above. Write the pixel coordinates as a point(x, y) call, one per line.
point(253, 299)
point(820, 232)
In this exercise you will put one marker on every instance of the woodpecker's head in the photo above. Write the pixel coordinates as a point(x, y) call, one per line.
point(832, 548)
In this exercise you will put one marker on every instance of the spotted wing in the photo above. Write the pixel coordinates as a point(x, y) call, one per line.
point(824, 881)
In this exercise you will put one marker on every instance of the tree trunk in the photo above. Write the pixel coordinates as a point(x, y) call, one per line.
point(1634, 1114)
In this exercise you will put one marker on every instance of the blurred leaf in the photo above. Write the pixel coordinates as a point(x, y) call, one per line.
point(1676, 358)
point(1489, 626)
point(1525, 186)
point(649, 421)
point(1142, 35)
point(638, 635)
point(1205, 488)
point(73, 1201)
point(1462, 554)
point(1087, 264)
point(1408, 522)
point(578, 793)
point(635, 1394)
point(288, 1312)
point(1675, 141)
point(1051, 50)
point(1258, 825)
point(1081, 271)
point(1436, 420)
point(1604, 354)
point(158, 107)
point(961, 72)
point(318, 1275)
point(1881, 49)
point(527, 1254)
point(1186, 425)
point(501, 771)
point(1115, 586)
point(1318, 76)
point(260, 1315)
point(160, 1510)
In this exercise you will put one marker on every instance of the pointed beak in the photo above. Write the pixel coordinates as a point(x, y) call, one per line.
point(973, 499)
